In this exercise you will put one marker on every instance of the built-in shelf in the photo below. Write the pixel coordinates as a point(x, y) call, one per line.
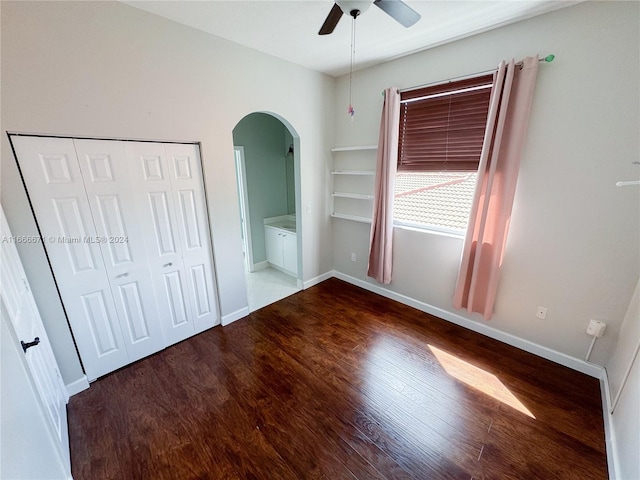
point(351, 149)
point(353, 218)
point(361, 196)
point(353, 172)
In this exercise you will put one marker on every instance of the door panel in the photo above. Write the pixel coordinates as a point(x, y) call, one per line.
point(120, 235)
point(159, 217)
point(100, 322)
point(290, 252)
point(189, 219)
point(56, 168)
point(112, 223)
point(100, 168)
point(134, 314)
point(149, 172)
point(23, 313)
point(201, 288)
point(177, 301)
point(54, 180)
point(182, 167)
point(188, 187)
point(273, 246)
point(71, 224)
point(39, 358)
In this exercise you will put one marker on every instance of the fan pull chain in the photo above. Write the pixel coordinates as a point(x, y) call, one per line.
point(350, 110)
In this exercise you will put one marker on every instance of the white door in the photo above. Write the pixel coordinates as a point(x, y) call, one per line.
point(273, 246)
point(22, 311)
point(185, 172)
point(121, 239)
point(56, 190)
point(290, 253)
point(128, 239)
point(168, 182)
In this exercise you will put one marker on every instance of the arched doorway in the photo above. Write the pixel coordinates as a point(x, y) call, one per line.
point(267, 161)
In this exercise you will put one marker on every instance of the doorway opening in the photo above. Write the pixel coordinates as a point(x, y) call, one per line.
point(267, 162)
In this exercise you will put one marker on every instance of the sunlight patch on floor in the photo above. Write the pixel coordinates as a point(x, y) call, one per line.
point(479, 379)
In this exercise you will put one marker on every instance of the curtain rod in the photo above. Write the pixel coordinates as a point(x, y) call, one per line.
point(548, 59)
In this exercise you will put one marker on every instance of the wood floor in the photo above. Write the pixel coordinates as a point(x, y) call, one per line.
point(338, 383)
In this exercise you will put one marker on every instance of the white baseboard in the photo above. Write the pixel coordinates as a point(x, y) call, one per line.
point(233, 316)
point(77, 386)
point(320, 278)
point(539, 350)
point(260, 266)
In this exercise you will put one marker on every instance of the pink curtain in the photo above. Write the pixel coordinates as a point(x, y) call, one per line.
point(381, 241)
point(484, 243)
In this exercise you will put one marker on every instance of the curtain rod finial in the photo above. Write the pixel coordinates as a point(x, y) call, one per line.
point(549, 58)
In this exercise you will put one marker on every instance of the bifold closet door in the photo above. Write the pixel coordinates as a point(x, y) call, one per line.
point(169, 186)
point(51, 171)
point(126, 232)
point(121, 238)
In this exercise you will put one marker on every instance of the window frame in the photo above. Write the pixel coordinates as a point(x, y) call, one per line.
point(437, 91)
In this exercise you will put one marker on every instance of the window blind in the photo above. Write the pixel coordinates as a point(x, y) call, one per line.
point(442, 126)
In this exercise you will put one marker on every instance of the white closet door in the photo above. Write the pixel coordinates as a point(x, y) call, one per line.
point(23, 313)
point(185, 170)
point(115, 214)
point(150, 174)
point(56, 189)
point(169, 183)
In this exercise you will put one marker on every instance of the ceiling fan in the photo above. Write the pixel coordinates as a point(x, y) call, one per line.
point(396, 9)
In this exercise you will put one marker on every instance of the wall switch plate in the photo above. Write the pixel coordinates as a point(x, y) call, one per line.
point(541, 313)
point(353, 257)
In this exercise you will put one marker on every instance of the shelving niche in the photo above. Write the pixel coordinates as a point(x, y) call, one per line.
point(353, 177)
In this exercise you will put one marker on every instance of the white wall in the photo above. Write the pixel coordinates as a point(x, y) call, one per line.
point(106, 69)
point(574, 236)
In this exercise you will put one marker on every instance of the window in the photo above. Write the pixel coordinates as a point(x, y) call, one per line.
point(441, 134)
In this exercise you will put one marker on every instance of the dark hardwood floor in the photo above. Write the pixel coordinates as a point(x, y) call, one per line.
point(338, 383)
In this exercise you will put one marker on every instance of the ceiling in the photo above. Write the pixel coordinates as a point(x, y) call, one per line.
point(289, 29)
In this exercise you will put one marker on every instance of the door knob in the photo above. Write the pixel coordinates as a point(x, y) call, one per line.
point(126, 274)
point(167, 264)
point(35, 342)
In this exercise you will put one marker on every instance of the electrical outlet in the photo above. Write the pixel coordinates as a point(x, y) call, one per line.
point(353, 257)
point(596, 328)
point(541, 313)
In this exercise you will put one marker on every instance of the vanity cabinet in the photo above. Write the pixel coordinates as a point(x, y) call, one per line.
point(282, 249)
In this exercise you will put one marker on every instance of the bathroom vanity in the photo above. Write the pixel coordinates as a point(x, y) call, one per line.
point(281, 243)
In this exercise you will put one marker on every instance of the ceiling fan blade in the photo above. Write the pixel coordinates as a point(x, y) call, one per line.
point(331, 21)
point(399, 11)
